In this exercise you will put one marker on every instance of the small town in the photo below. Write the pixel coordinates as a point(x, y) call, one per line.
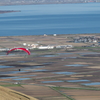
point(90, 39)
point(54, 42)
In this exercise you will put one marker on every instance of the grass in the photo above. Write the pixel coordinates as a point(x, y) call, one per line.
point(11, 85)
point(45, 50)
point(79, 88)
point(88, 48)
point(57, 90)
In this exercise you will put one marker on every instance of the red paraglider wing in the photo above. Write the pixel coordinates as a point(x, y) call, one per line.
point(24, 49)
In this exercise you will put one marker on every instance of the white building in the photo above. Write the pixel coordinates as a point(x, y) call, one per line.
point(46, 47)
point(64, 46)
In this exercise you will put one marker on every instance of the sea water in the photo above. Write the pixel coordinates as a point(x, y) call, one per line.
point(50, 19)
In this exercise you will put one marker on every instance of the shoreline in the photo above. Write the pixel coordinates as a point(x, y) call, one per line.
point(52, 34)
point(8, 11)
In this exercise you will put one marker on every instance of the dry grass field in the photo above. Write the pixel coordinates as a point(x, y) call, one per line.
point(8, 94)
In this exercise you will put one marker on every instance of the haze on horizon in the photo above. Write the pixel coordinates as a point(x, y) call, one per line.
point(22, 2)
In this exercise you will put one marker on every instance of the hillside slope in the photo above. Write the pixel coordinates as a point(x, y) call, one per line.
point(8, 94)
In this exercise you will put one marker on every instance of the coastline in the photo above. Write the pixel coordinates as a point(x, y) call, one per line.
point(8, 11)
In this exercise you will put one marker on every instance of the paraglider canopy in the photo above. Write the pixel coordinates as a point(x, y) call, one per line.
point(24, 49)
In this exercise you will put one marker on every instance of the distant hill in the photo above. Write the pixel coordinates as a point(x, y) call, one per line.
point(22, 2)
